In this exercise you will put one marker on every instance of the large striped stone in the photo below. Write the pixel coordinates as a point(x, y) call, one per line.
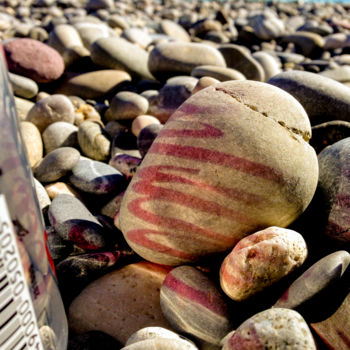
point(233, 159)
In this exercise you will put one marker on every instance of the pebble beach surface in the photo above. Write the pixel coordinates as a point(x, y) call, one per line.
point(191, 163)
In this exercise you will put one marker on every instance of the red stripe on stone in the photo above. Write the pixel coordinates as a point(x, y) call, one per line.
point(206, 132)
point(206, 299)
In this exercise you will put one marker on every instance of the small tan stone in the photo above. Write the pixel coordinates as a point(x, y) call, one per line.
point(204, 82)
point(121, 302)
point(23, 107)
point(57, 188)
point(142, 121)
point(32, 142)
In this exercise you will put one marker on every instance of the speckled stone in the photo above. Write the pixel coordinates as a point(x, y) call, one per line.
point(34, 59)
point(228, 139)
point(32, 142)
point(260, 260)
point(124, 310)
point(60, 134)
point(73, 221)
point(177, 58)
point(93, 141)
point(51, 109)
point(126, 105)
point(281, 329)
point(96, 177)
point(192, 304)
point(125, 163)
point(56, 164)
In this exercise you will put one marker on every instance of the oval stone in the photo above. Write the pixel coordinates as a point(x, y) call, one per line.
point(192, 304)
point(178, 58)
point(32, 142)
point(64, 36)
point(33, 59)
point(260, 260)
point(22, 86)
point(219, 73)
point(228, 162)
point(281, 329)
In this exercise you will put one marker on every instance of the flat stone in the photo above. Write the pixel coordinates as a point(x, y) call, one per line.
point(22, 86)
point(228, 139)
point(324, 99)
point(273, 329)
point(137, 36)
point(321, 275)
point(121, 311)
point(336, 41)
point(94, 85)
point(93, 141)
point(341, 74)
point(239, 58)
point(64, 36)
point(72, 221)
point(126, 105)
point(174, 30)
point(51, 109)
point(190, 301)
point(34, 59)
point(60, 134)
point(96, 177)
point(267, 26)
point(260, 260)
point(56, 164)
point(270, 65)
point(179, 58)
point(90, 32)
point(32, 142)
point(118, 53)
point(219, 73)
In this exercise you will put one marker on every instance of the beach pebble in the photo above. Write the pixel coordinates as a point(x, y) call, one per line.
point(93, 141)
point(281, 329)
point(125, 163)
point(147, 136)
point(193, 305)
point(239, 58)
point(64, 36)
point(56, 164)
point(93, 85)
point(260, 260)
point(308, 44)
point(121, 302)
point(174, 30)
point(179, 58)
point(326, 134)
point(137, 36)
point(60, 134)
point(324, 99)
point(48, 338)
point(32, 142)
point(96, 177)
point(22, 86)
point(205, 145)
point(57, 188)
point(269, 64)
point(22, 107)
point(204, 82)
point(118, 53)
point(161, 343)
point(33, 59)
point(73, 221)
point(85, 112)
point(113, 206)
point(333, 184)
point(42, 195)
point(267, 26)
point(325, 273)
point(341, 74)
point(141, 122)
point(51, 109)
point(336, 41)
point(126, 105)
point(91, 32)
point(219, 73)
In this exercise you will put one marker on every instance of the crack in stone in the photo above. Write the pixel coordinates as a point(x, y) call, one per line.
point(293, 131)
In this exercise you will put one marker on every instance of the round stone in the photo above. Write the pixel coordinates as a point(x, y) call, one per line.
point(51, 109)
point(60, 134)
point(32, 142)
point(33, 59)
point(178, 58)
point(126, 105)
point(192, 304)
point(56, 164)
point(229, 162)
point(260, 260)
point(96, 177)
point(272, 329)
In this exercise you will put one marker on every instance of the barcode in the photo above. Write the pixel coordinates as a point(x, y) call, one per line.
point(18, 326)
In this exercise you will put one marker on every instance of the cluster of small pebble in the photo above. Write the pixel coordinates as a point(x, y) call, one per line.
point(187, 205)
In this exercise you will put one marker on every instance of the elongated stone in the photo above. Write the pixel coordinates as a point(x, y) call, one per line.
point(218, 171)
point(192, 304)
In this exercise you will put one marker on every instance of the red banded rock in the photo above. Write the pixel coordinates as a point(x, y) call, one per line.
point(121, 302)
point(231, 160)
point(260, 260)
point(281, 329)
point(192, 304)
